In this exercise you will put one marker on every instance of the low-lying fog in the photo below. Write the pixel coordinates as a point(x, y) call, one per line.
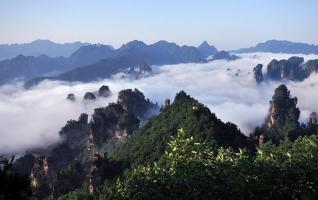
point(33, 118)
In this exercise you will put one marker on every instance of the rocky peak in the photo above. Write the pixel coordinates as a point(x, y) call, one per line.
point(293, 69)
point(71, 97)
point(89, 96)
point(103, 91)
point(111, 121)
point(258, 74)
point(313, 118)
point(283, 113)
point(135, 102)
point(206, 49)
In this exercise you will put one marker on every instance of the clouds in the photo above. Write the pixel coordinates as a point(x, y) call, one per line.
point(32, 118)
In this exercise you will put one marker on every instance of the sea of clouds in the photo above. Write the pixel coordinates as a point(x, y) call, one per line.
point(32, 118)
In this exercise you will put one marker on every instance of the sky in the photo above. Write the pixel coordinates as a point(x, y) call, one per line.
point(227, 24)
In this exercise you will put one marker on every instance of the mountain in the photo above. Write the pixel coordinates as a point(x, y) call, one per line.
point(129, 55)
point(184, 146)
point(26, 67)
point(91, 152)
point(206, 49)
point(91, 53)
point(281, 46)
point(39, 47)
point(29, 67)
point(160, 53)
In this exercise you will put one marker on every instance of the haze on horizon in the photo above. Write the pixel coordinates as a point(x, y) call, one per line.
point(225, 24)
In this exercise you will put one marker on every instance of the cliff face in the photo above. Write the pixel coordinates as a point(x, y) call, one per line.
point(135, 102)
point(283, 114)
point(111, 121)
point(258, 74)
point(42, 177)
point(75, 159)
point(293, 69)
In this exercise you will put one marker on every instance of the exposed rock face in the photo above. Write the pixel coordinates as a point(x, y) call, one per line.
point(112, 121)
point(313, 118)
point(42, 178)
point(285, 69)
point(283, 114)
point(224, 55)
point(142, 70)
point(293, 69)
point(311, 66)
point(135, 102)
point(68, 164)
point(89, 96)
point(101, 168)
point(71, 97)
point(258, 74)
point(103, 91)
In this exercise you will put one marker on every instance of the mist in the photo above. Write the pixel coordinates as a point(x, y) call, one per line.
point(33, 118)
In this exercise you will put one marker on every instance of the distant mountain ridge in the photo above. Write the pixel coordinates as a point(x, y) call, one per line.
point(39, 47)
point(111, 61)
point(29, 67)
point(281, 46)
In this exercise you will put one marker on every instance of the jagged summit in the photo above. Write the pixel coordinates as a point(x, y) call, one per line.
point(206, 49)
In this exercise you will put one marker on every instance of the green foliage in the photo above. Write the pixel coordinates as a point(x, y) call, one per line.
point(190, 169)
point(76, 195)
point(149, 143)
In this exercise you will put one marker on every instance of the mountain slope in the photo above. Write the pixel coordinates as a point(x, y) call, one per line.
point(148, 143)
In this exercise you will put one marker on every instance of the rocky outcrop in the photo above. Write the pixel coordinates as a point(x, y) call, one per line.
point(71, 97)
point(141, 71)
point(258, 74)
point(111, 121)
point(75, 158)
point(103, 91)
point(283, 115)
point(313, 118)
point(135, 102)
point(89, 96)
point(293, 69)
point(224, 55)
point(42, 177)
point(285, 69)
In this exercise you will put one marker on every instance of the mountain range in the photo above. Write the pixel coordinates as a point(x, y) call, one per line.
point(281, 46)
point(39, 47)
point(90, 62)
point(99, 61)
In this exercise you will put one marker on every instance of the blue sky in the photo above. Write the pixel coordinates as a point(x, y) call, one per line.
point(227, 24)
